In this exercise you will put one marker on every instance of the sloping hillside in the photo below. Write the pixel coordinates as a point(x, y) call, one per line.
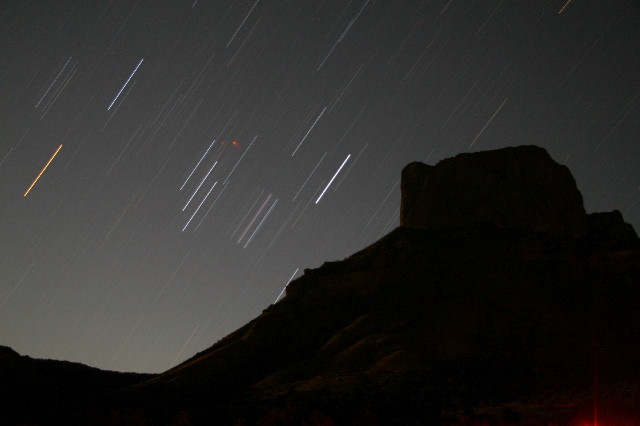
point(517, 308)
point(424, 323)
point(35, 391)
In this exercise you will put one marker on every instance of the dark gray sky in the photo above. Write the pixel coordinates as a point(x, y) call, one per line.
point(213, 150)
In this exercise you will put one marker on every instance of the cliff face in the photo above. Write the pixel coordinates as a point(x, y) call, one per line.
point(494, 299)
point(515, 187)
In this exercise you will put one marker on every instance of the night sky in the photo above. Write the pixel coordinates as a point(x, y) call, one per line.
point(203, 153)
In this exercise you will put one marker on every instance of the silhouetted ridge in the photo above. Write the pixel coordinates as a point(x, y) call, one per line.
point(7, 352)
point(498, 299)
point(38, 391)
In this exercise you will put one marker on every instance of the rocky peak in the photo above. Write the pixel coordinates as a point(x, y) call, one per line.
point(515, 187)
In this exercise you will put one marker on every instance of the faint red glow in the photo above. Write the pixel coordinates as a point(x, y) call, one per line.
point(235, 144)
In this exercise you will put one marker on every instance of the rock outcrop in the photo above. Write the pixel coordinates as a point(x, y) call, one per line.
point(608, 230)
point(515, 187)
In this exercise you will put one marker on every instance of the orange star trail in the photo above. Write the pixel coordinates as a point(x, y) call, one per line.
point(43, 169)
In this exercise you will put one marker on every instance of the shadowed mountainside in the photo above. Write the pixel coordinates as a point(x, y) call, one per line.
point(510, 318)
point(32, 391)
point(423, 323)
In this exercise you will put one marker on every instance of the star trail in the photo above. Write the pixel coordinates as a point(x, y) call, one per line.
point(213, 148)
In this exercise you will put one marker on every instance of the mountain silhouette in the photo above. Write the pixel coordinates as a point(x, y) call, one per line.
point(38, 391)
point(497, 300)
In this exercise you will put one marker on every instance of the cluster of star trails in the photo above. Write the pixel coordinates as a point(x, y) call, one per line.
point(166, 167)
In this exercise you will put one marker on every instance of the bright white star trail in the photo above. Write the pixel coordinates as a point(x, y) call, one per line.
point(334, 176)
point(125, 84)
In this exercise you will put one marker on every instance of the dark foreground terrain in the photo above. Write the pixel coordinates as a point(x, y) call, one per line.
point(531, 321)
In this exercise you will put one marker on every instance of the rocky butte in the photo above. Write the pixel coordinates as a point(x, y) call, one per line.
point(520, 187)
point(498, 301)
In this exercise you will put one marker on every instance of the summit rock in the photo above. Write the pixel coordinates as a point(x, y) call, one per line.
point(514, 187)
